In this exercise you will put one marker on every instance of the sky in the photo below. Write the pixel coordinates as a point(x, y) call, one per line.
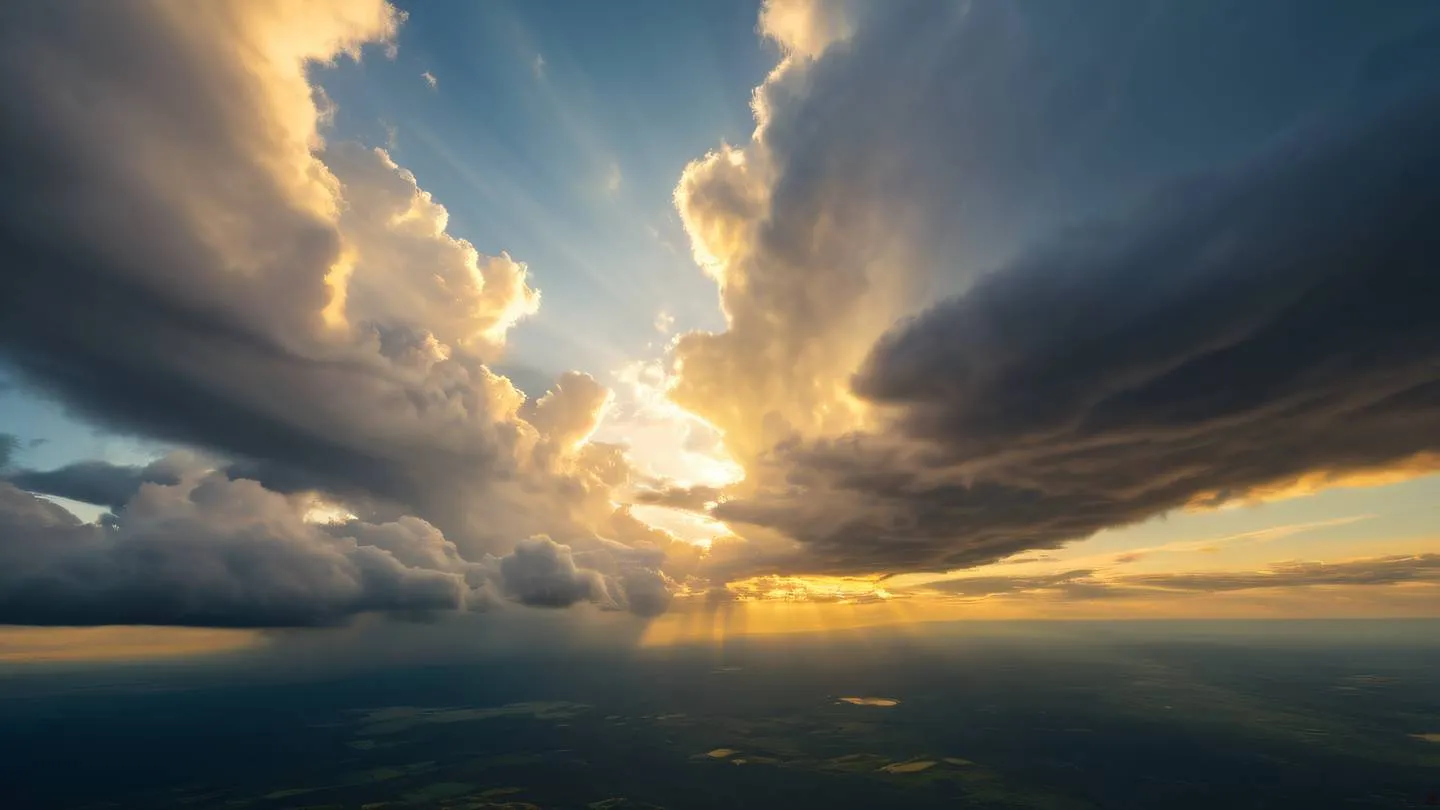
point(713, 317)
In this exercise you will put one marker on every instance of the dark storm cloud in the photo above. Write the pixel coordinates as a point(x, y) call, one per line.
point(938, 138)
point(97, 482)
point(1245, 327)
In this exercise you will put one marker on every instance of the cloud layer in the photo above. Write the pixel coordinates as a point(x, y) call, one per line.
point(1249, 320)
point(1085, 584)
point(1244, 329)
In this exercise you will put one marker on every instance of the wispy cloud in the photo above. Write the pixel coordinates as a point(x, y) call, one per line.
point(1083, 584)
point(1256, 536)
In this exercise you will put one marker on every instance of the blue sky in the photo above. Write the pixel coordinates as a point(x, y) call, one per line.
point(556, 132)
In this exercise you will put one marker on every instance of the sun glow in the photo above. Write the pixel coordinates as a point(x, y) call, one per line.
point(699, 621)
point(39, 645)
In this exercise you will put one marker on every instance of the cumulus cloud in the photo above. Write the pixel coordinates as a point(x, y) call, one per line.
point(184, 256)
point(193, 262)
point(569, 412)
point(190, 545)
point(1228, 330)
point(207, 551)
point(806, 273)
point(403, 269)
point(806, 27)
point(543, 573)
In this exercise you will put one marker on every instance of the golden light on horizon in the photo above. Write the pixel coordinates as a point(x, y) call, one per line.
point(714, 624)
point(40, 645)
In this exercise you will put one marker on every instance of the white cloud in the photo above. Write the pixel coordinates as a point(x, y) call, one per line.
point(806, 27)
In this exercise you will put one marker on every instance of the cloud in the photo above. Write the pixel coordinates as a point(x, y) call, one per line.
point(1223, 331)
point(1392, 570)
point(696, 498)
point(1085, 584)
point(205, 552)
point(192, 546)
point(647, 591)
point(9, 443)
point(1213, 544)
point(569, 412)
point(246, 287)
point(872, 183)
point(801, 266)
point(181, 260)
point(542, 573)
point(186, 257)
point(1079, 582)
point(99, 482)
point(1247, 328)
point(806, 27)
point(430, 79)
point(403, 270)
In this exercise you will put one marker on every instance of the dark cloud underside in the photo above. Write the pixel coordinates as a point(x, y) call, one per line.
point(1247, 326)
